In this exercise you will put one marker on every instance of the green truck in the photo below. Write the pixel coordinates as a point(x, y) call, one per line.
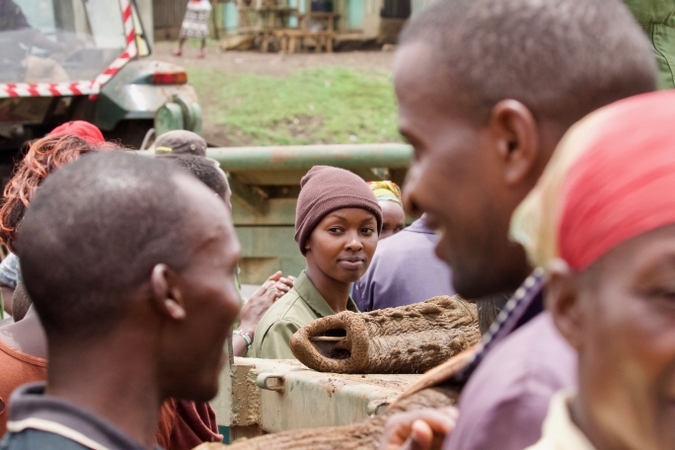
point(62, 60)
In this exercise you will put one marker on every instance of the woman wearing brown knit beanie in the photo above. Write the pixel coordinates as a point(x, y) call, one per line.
point(337, 223)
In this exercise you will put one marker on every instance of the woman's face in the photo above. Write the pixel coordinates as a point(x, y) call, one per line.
point(622, 323)
point(342, 244)
point(393, 218)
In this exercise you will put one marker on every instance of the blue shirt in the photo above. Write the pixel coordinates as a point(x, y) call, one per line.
point(10, 272)
point(404, 271)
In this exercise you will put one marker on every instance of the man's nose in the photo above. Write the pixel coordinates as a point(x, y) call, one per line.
point(410, 191)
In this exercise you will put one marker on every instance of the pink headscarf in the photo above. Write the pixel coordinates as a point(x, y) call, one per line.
point(624, 184)
point(611, 178)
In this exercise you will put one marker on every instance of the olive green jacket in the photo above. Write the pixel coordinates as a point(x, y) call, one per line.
point(300, 306)
point(657, 18)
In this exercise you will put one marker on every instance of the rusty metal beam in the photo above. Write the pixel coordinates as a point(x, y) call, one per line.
point(246, 196)
point(392, 156)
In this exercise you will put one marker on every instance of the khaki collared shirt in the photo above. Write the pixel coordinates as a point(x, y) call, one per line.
point(300, 306)
point(558, 431)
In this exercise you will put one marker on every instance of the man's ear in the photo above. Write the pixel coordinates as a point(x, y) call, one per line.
point(515, 129)
point(167, 298)
point(562, 300)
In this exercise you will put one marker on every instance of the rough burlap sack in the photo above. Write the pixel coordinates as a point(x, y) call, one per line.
point(407, 339)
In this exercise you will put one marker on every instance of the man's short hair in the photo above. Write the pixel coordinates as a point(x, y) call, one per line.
point(92, 235)
point(559, 58)
point(204, 169)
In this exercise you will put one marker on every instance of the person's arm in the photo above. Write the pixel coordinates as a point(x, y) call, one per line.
point(255, 308)
point(417, 430)
point(276, 341)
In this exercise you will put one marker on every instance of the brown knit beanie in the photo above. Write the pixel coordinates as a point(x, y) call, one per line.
point(325, 189)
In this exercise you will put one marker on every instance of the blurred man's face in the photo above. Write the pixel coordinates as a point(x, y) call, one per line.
point(455, 179)
point(194, 351)
point(625, 336)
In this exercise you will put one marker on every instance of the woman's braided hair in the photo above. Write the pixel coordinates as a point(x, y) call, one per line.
point(43, 157)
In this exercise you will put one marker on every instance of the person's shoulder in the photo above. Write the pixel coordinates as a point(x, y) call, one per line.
point(31, 439)
point(402, 243)
point(513, 385)
point(274, 341)
point(534, 356)
point(284, 308)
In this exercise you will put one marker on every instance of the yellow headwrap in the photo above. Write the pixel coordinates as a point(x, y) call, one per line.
point(386, 190)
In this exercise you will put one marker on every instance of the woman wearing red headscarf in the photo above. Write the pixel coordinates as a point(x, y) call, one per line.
point(603, 223)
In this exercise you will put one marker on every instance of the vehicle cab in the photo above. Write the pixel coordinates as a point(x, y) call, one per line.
point(63, 60)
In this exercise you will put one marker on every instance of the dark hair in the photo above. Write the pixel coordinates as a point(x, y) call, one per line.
point(92, 235)
point(43, 157)
point(204, 169)
point(561, 58)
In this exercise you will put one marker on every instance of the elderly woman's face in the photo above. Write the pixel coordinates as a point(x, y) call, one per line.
point(393, 218)
point(625, 335)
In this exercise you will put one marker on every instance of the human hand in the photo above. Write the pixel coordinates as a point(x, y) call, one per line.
point(261, 300)
point(418, 430)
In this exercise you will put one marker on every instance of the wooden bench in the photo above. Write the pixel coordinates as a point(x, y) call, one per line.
point(292, 40)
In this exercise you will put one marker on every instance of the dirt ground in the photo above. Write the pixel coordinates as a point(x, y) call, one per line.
point(235, 63)
point(272, 63)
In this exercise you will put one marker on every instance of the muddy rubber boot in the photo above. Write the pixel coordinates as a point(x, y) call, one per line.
point(407, 339)
point(364, 435)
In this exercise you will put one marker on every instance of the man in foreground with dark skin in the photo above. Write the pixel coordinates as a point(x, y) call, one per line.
point(486, 89)
point(136, 310)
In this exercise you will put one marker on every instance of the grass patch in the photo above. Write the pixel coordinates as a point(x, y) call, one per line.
point(331, 105)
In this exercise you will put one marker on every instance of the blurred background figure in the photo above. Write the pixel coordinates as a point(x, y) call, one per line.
point(180, 142)
point(389, 197)
point(188, 150)
point(404, 270)
point(23, 345)
point(195, 25)
point(64, 143)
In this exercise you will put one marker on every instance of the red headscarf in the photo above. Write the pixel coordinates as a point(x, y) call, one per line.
point(624, 184)
point(81, 129)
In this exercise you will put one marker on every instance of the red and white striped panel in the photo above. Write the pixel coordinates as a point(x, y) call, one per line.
point(85, 87)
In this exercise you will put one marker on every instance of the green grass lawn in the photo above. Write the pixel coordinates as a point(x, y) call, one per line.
point(331, 105)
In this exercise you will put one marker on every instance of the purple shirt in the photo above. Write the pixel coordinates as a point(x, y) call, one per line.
point(506, 398)
point(404, 271)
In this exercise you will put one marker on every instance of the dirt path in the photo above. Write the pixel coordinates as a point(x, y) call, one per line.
point(273, 63)
point(262, 64)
